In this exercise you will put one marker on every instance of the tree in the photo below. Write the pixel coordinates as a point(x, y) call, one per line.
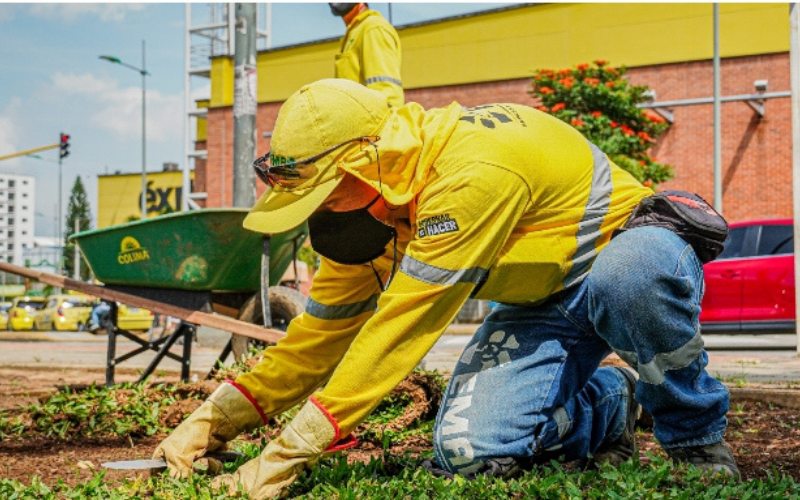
point(597, 100)
point(78, 210)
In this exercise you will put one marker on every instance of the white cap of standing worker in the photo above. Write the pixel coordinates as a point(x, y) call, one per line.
point(319, 128)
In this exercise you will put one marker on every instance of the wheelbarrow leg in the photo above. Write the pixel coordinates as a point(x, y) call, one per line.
point(226, 351)
point(185, 330)
point(110, 324)
point(265, 283)
point(186, 364)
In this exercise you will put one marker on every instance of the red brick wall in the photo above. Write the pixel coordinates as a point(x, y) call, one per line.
point(199, 184)
point(219, 144)
point(265, 122)
point(756, 152)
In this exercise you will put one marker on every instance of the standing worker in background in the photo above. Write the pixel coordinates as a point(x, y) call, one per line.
point(413, 211)
point(370, 51)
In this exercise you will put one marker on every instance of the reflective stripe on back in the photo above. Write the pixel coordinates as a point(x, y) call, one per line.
point(593, 216)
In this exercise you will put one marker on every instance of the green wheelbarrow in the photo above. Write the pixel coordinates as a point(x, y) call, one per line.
point(202, 260)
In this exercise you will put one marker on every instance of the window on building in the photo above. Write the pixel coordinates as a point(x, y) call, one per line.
point(11, 209)
point(11, 184)
point(10, 222)
point(11, 234)
point(24, 183)
point(11, 246)
point(24, 195)
point(24, 221)
point(24, 233)
point(24, 207)
point(10, 196)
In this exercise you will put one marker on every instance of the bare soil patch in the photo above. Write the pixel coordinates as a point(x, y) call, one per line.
point(765, 437)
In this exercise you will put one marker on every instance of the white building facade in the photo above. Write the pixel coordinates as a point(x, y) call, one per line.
point(17, 216)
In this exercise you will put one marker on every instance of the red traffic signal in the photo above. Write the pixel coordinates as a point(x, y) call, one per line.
point(64, 146)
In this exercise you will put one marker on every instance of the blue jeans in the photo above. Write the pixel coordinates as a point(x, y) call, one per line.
point(528, 384)
point(98, 312)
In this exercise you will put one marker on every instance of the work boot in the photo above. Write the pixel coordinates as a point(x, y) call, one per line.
point(624, 447)
point(715, 458)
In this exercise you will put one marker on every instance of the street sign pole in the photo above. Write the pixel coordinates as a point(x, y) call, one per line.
point(794, 68)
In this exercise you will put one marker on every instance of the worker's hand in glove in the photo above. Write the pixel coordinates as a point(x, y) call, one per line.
point(223, 416)
point(299, 446)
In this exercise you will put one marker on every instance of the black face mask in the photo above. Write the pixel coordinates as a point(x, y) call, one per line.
point(352, 237)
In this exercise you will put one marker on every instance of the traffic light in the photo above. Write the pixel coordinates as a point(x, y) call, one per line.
point(64, 146)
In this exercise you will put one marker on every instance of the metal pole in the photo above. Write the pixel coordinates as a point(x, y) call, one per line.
point(244, 106)
point(76, 256)
point(144, 138)
point(717, 118)
point(187, 102)
point(794, 68)
point(30, 151)
point(58, 223)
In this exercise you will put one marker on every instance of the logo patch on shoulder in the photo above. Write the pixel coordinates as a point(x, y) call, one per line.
point(438, 224)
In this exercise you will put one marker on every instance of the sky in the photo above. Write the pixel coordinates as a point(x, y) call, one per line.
point(53, 81)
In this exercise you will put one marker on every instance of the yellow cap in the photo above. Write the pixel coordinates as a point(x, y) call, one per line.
point(315, 118)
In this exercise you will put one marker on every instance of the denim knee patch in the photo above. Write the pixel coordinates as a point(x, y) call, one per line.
point(654, 370)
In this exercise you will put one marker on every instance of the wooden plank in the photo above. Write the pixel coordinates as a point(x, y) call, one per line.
point(195, 317)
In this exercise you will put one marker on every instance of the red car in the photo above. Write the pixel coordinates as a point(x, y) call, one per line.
point(750, 286)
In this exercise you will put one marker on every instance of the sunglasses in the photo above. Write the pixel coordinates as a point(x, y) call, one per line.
point(276, 170)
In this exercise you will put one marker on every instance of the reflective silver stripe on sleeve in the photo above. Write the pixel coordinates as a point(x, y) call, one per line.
point(438, 276)
point(593, 216)
point(343, 311)
point(653, 372)
point(378, 79)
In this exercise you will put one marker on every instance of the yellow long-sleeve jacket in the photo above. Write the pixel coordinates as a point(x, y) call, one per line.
point(370, 54)
point(505, 203)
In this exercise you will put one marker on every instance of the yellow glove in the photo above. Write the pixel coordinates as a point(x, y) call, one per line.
point(228, 412)
point(299, 446)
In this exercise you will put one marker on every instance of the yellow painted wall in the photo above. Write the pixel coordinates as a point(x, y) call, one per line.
point(118, 196)
point(202, 123)
point(221, 81)
point(512, 43)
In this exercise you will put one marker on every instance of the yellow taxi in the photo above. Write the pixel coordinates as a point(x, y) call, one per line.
point(128, 318)
point(20, 317)
point(134, 318)
point(64, 313)
point(4, 308)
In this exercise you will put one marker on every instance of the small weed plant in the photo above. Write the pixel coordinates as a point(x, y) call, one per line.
point(96, 411)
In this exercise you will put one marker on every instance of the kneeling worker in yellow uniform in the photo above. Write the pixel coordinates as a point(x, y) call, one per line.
point(414, 211)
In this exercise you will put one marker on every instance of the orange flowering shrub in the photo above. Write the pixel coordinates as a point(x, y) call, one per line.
point(598, 101)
